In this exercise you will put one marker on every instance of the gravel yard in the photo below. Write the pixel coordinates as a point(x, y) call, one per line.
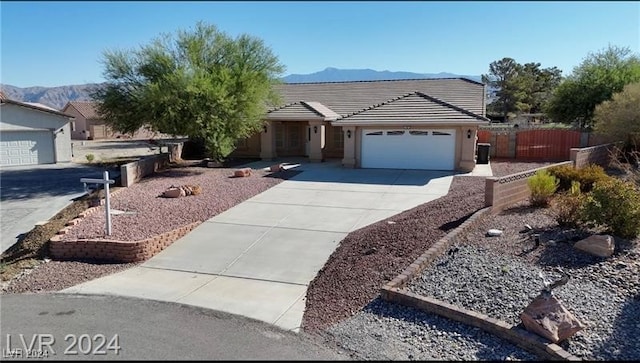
point(343, 307)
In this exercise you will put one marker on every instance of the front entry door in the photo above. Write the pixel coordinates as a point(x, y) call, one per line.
point(290, 140)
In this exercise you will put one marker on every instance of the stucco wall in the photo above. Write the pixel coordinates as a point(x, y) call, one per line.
point(19, 118)
point(80, 124)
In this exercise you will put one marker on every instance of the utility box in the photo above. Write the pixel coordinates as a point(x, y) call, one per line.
point(483, 153)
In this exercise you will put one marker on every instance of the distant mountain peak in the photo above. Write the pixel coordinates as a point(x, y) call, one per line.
point(332, 74)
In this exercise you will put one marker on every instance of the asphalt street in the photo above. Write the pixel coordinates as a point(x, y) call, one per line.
point(72, 327)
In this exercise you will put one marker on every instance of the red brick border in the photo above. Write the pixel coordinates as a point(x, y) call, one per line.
point(395, 291)
point(112, 250)
point(115, 250)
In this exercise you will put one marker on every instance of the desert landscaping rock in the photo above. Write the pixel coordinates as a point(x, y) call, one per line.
point(155, 215)
point(597, 245)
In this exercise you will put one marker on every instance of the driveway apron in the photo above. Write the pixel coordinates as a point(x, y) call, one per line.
point(258, 258)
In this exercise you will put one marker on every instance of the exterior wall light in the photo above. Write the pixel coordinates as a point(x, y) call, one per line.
point(348, 134)
point(469, 134)
point(264, 128)
point(315, 129)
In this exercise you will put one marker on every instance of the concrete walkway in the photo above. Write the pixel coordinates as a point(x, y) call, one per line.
point(257, 258)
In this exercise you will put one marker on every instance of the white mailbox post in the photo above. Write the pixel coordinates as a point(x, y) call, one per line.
point(105, 181)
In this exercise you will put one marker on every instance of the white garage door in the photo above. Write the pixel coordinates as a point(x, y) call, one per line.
point(408, 149)
point(26, 147)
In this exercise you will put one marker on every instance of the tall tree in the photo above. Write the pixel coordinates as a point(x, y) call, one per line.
point(535, 86)
point(595, 80)
point(520, 88)
point(501, 77)
point(201, 83)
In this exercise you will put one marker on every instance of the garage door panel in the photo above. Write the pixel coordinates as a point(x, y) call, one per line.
point(408, 149)
point(26, 148)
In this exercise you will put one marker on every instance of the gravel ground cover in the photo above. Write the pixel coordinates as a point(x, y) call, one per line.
point(343, 307)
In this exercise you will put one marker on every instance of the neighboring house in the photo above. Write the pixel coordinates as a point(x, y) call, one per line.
point(32, 133)
point(399, 124)
point(87, 124)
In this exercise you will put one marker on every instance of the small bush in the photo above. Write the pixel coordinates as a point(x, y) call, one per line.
point(90, 157)
point(568, 207)
point(589, 175)
point(542, 185)
point(615, 205)
point(565, 174)
point(586, 176)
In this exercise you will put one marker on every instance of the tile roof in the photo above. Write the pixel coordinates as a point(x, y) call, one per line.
point(348, 97)
point(303, 110)
point(411, 108)
point(87, 109)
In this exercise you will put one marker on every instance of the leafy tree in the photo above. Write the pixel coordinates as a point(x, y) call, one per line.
point(520, 88)
point(535, 86)
point(500, 77)
point(595, 80)
point(619, 118)
point(202, 83)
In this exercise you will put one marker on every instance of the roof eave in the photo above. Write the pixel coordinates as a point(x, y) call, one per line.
point(410, 123)
point(18, 103)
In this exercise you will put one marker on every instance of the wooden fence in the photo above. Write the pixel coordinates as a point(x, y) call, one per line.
point(536, 144)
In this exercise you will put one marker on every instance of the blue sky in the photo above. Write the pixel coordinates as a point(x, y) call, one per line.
point(45, 43)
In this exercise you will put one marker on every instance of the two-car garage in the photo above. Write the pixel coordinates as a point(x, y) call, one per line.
point(33, 134)
point(408, 148)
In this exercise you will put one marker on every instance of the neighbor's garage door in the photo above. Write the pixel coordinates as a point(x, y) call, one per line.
point(408, 149)
point(26, 147)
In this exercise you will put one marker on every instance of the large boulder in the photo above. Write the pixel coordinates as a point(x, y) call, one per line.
point(547, 317)
point(597, 245)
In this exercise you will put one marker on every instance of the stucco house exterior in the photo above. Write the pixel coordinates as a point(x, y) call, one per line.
point(32, 133)
point(87, 124)
point(426, 124)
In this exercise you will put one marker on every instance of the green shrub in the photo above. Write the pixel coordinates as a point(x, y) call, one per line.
point(565, 174)
point(586, 176)
point(542, 185)
point(615, 205)
point(589, 175)
point(568, 207)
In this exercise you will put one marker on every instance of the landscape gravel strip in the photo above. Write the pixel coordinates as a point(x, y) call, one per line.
point(146, 214)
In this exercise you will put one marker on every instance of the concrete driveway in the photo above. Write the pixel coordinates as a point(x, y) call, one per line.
point(35, 193)
point(257, 258)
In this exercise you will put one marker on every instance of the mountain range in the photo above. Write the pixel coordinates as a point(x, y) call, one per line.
point(57, 97)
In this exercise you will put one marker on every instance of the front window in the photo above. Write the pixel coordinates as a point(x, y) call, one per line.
point(338, 138)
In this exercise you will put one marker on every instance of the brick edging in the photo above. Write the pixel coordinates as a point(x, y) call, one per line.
point(116, 250)
point(112, 250)
point(395, 291)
